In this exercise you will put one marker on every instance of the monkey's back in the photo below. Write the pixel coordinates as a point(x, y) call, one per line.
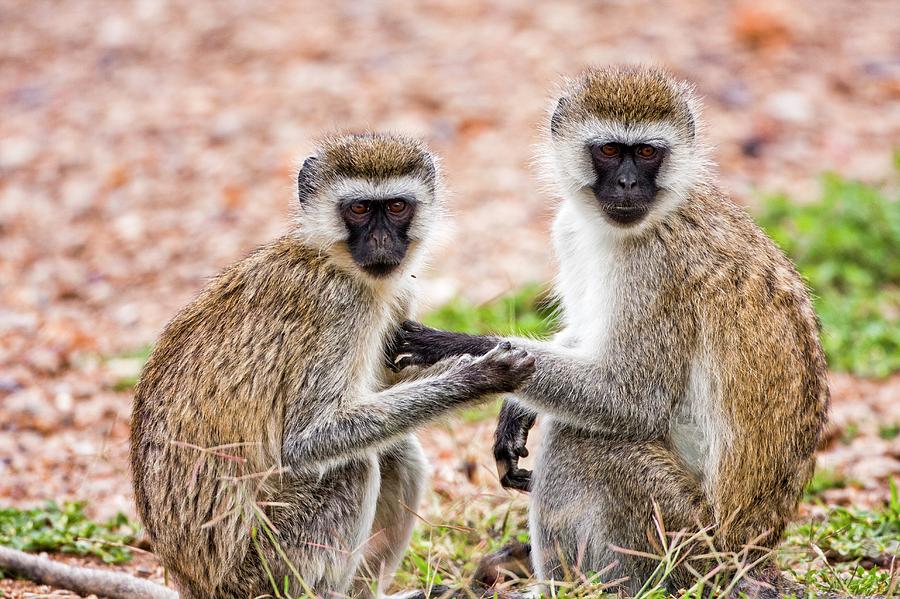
point(754, 313)
point(209, 409)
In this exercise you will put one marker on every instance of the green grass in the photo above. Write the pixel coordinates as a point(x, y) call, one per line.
point(850, 533)
point(847, 245)
point(889, 431)
point(822, 481)
point(127, 367)
point(67, 529)
point(526, 312)
point(850, 432)
point(848, 550)
point(446, 546)
point(838, 552)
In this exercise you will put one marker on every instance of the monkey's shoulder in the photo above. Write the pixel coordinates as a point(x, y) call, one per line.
point(718, 246)
point(746, 293)
point(283, 296)
point(284, 277)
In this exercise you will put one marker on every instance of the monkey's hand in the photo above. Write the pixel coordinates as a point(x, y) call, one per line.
point(501, 370)
point(415, 344)
point(509, 445)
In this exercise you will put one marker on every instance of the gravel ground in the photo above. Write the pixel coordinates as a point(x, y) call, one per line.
point(145, 145)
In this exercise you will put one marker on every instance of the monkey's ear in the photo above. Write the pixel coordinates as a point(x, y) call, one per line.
point(306, 179)
point(430, 169)
point(692, 127)
point(558, 114)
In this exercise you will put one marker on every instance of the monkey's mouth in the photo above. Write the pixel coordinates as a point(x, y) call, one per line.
point(380, 269)
point(624, 214)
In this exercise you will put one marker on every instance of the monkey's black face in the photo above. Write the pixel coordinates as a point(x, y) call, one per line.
point(626, 179)
point(378, 232)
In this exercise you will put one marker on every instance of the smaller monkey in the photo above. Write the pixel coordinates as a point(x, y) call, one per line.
point(267, 447)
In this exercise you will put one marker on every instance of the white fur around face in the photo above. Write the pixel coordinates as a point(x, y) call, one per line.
point(573, 174)
point(320, 224)
point(353, 188)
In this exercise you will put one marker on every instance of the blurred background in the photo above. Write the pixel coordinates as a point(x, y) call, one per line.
point(145, 145)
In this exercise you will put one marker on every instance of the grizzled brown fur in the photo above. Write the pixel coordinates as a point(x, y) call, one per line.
point(626, 95)
point(266, 405)
point(374, 156)
point(687, 374)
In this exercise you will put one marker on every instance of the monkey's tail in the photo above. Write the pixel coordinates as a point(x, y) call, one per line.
point(84, 581)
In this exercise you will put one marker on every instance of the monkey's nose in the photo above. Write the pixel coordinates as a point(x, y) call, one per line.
point(627, 182)
point(380, 240)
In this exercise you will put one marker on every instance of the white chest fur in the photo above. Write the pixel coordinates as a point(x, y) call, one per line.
point(589, 280)
point(592, 284)
point(375, 329)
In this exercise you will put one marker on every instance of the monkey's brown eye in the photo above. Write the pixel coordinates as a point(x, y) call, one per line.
point(645, 151)
point(359, 208)
point(609, 150)
point(396, 206)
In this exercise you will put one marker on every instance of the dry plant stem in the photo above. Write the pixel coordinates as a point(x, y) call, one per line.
point(84, 581)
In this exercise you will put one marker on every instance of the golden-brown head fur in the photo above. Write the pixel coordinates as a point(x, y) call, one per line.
point(376, 156)
point(629, 95)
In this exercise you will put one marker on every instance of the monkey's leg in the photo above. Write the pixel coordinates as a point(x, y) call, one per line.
point(403, 477)
point(314, 535)
point(592, 496)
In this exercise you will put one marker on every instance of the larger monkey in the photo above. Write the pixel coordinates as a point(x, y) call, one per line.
point(265, 403)
point(688, 370)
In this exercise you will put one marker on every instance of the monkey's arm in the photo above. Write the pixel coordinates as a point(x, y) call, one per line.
point(378, 418)
point(515, 418)
point(626, 398)
point(432, 345)
point(621, 398)
point(513, 425)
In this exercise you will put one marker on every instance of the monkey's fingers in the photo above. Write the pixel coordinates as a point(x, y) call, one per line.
point(401, 361)
point(522, 451)
point(405, 360)
point(518, 479)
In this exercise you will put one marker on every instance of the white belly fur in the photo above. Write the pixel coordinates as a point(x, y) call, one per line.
point(698, 431)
